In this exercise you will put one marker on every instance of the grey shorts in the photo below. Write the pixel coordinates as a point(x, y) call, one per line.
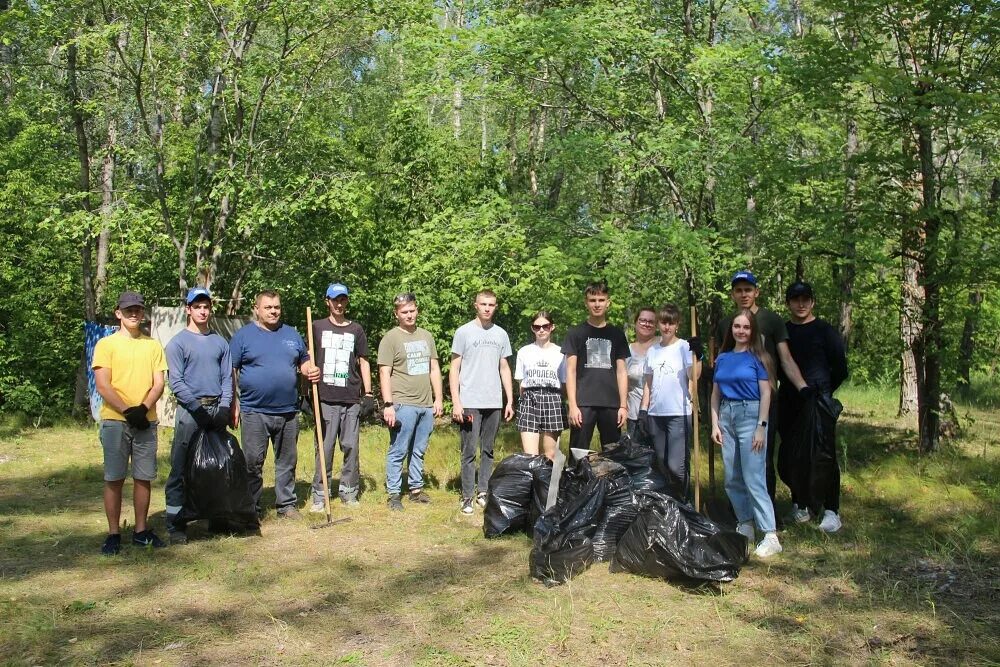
point(121, 442)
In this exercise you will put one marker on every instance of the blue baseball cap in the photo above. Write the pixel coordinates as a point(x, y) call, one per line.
point(196, 293)
point(336, 289)
point(744, 276)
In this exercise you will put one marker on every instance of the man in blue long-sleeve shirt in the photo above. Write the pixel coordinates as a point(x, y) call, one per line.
point(201, 378)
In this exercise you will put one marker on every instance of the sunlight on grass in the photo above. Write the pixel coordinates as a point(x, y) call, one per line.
point(911, 578)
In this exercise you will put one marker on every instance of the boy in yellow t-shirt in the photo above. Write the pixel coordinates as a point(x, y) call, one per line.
point(128, 369)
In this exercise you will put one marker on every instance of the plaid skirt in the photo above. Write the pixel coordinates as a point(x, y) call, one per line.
point(540, 411)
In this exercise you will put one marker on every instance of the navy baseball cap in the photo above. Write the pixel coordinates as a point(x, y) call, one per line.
point(196, 293)
point(744, 276)
point(336, 289)
point(799, 288)
point(129, 299)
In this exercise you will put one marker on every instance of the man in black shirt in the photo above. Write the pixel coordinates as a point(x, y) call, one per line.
point(772, 329)
point(596, 376)
point(819, 352)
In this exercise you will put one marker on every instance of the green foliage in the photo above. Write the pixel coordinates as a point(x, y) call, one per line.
point(442, 148)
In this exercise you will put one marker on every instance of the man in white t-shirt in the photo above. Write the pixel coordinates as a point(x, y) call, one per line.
point(479, 371)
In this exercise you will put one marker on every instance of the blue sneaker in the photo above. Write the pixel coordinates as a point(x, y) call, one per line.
point(147, 538)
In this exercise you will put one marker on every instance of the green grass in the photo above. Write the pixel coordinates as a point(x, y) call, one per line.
point(912, 579)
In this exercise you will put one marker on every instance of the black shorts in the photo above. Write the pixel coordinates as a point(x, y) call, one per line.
point(540, 411)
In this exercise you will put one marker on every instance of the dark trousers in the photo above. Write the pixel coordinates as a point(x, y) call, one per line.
point(283, 433)
point(340, 422)
point(772, 450)
point(184, 431)
point(670, 436)
point(482, 430)
point(795, 467)
point(606, 421)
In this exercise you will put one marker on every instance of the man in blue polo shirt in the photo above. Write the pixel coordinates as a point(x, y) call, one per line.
point(266, 355)
point(201, 378)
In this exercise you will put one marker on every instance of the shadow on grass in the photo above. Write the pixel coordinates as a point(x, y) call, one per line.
point(360, 614)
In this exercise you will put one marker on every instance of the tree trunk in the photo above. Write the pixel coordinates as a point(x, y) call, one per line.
point(83, 185)
point(911, 297)
point(845, 270)
point(929, 381)
point(967, 347)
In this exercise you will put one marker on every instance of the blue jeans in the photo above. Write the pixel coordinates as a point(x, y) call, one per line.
point(410, 435)
point(746, 470)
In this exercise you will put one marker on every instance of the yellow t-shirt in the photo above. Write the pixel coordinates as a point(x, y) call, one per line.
point(132, 362)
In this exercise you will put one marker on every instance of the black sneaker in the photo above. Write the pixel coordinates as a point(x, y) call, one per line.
point(466, 505)
point(176, 537)
point(395, 503)
point(112, 545)
point(290, 513)
point(481, 499)
point(147, 538)
point(419, 497)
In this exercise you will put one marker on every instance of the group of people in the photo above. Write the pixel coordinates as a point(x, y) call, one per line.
point(252, 382)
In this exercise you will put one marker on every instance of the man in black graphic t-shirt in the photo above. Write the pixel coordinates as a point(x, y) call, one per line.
point(596, 378)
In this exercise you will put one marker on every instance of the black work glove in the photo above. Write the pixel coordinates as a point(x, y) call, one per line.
point(367, 406)
point(697, 347)
point(642, 423)
point(136, 417)
point(222, 417)
point(807, 392)
point(203, 418)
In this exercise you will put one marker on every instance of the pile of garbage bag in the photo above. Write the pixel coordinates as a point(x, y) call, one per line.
point(612, 507)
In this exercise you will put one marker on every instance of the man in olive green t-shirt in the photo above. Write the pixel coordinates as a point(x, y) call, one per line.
point(410, 378)
point(772, 329)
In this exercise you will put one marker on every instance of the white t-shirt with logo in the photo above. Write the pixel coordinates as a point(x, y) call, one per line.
point(538, 367)
point(668, 366)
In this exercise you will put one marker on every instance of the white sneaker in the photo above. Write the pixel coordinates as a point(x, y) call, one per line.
point(831, 522)
point(799, 514)
point(768, 546)
point(745, 528)
point(318, 508)
point(481, 500)
point(466, 506)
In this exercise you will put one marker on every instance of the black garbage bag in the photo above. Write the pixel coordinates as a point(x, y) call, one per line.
point(639, 461)
point(508, 503)
point(562, 535)
point(620, 508)
point(671, 541)
point(807, 458)
point(541, 475)
point(216, 485)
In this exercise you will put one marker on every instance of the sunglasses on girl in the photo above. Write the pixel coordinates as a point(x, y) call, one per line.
point(541, 327)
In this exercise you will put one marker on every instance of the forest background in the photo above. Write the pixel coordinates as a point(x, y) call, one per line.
point(442, 147)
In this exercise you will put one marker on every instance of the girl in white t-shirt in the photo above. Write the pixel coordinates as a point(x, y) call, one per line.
point(540, 370)
point(666, 401)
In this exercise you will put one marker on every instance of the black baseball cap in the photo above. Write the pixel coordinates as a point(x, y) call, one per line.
point(799, 288)
point(129, 299)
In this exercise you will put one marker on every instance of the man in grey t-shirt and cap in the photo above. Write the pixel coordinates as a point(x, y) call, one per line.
point(480, 378)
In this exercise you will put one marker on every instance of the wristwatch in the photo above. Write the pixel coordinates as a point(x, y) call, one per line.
point(387, 405)
point(764, 424)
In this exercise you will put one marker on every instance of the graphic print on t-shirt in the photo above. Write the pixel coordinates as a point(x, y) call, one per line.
point(337, 349)
point(598, 353)
point(418, 357)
